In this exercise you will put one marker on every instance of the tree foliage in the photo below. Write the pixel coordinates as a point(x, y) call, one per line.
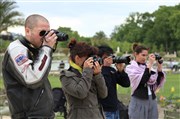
point(99, 38)
point(72, 35)
point(8, 16)
point(159, 30)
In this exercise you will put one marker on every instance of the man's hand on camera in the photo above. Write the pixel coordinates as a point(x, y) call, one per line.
point(108, 61)
point(120, 66)
point(50, 39)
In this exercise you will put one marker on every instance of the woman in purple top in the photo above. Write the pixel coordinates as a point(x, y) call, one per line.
point(144, 82)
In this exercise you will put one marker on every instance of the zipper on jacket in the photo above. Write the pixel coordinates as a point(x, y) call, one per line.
point(42, 91)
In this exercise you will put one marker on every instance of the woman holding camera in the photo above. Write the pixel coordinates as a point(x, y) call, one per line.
point(83, 83)
point(144, 83)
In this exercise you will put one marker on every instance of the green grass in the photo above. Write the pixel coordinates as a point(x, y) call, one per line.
point(1, 83)
point(172, 80)
point(54, 80)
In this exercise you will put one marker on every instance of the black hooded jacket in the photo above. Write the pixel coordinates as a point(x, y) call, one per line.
point(112, 78)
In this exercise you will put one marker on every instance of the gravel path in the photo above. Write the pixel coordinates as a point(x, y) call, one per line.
point(161, 114)
point(5, 117)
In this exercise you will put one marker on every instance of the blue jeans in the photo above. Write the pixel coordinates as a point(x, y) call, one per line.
point(112, 115)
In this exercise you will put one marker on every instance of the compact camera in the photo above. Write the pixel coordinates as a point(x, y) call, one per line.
point(158, 58)
point(100, 60)
point(61, 36)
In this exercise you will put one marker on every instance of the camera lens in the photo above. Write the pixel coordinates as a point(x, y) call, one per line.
point(62, 36)
point(123, 59)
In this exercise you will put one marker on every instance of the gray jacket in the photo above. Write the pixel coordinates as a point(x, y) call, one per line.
point(82, 93)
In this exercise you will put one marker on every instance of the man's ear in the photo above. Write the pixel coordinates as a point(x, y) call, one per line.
point(27, 31)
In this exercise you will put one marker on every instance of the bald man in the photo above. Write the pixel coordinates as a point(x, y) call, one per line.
point(26, 65)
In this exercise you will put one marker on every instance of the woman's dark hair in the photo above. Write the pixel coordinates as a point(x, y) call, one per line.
point(138, 48)
point(81, 49)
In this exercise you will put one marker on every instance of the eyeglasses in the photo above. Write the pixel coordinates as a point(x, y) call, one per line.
point(42, 33)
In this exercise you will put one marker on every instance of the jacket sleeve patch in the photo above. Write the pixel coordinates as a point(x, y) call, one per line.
point(43, 62)
point(21, 59)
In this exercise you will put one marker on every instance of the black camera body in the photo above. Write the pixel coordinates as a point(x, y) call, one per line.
point(123, 59)
point(100, 60)
point(158, 58)
point(61, 36)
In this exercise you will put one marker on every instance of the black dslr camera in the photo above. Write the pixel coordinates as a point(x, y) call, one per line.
point(100, 60)
point(158, 58)
point(123, 59)
point(61, 36)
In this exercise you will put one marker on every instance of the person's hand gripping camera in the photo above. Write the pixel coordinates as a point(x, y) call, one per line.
point(107, 61)
point(93, 64)
point(120, 66)
point(50, 39)
point(151, 60)
point(154, 57)
point(159, 61)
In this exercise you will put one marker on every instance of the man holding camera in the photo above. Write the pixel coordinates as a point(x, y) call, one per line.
point(26, 66)
point(112, 77)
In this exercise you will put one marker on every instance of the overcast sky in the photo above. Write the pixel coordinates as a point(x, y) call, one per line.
point(87, 16)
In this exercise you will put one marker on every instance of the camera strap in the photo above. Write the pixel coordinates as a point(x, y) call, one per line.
point(28, 45)
point(31, 50)
point(55, 46)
